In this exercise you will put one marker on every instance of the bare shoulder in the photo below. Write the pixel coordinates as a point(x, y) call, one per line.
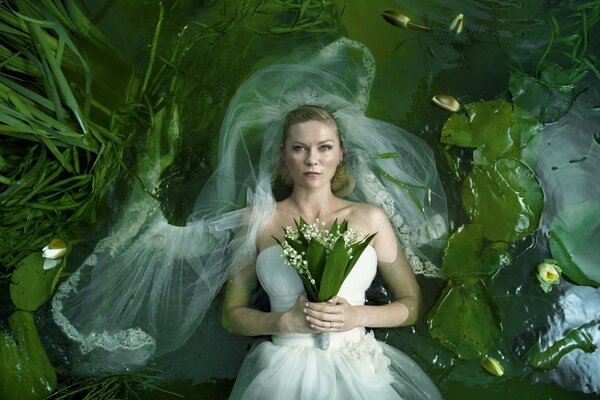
point(368, 216)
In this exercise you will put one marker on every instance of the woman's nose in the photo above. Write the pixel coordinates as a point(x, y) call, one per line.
point(309, 159)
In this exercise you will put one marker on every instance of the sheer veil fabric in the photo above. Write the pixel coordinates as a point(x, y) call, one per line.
point(145, 288)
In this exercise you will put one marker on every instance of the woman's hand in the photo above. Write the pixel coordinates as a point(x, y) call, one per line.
point(294, 320)
point(333, 315)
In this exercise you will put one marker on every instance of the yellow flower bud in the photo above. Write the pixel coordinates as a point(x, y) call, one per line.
point(492, 366)
point(446, 102)
point(549, 273)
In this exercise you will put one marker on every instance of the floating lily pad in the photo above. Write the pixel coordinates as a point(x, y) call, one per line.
point(505, 198)
point(465, 319)
point(575, 240)
point(551, 96)
point(457, 162)
point(25, 371)
point(31, 285)
point(494, 128)
point(465, 255)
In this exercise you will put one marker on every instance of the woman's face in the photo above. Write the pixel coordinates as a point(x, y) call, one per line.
point(312, 153)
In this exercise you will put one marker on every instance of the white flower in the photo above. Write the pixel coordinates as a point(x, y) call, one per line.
point(53, 252)
point(548, 274)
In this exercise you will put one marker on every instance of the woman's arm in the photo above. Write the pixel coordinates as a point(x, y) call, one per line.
point(240, 319)
point(399, 278)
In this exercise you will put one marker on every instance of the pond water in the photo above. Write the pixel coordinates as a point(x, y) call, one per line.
point(225, 42)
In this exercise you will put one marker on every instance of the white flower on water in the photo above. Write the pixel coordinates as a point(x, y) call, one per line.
point(53, 253)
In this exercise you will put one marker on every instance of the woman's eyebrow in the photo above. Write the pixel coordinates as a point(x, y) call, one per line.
point(321, 142)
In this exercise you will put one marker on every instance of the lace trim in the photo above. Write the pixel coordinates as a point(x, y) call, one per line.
point(377, 194)
point(132, 339)
point(368, 62)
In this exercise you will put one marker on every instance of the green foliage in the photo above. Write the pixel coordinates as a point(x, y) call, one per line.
point(289, 16)
point(496, 129)
point(503, 201)
point(321, 257)
point(505, 197)
point(551, 95)
point(548, 359)
point(575, 240)
point(466, 256)
point(31, 285)
point(25, 371)
point(465, 319)
point(61, 148)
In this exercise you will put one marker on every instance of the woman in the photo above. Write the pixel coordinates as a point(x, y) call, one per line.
point(292, 366)
point(147, 287)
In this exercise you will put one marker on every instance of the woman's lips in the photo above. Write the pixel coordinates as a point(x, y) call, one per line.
point(312, 173)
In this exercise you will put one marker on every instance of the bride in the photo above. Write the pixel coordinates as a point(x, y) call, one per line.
point(146, 288)
point(292, 366)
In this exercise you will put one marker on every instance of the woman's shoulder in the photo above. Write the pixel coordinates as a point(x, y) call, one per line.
point(368, 210)
point(367, 217)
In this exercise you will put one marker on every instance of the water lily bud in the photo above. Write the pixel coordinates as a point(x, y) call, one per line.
point(446, 102)
point(492, 366)
point(55, 250)
point(548, 274)
point(395, 18)
point(398, 19)
point(457, 24)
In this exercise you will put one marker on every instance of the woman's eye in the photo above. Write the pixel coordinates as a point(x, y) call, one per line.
point(297, 148)
point(326, 147)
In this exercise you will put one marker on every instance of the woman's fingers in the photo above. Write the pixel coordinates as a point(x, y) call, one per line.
point(325, 316)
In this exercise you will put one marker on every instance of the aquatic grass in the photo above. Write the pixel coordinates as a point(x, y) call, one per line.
point(108, 387)
point(302, 16)
point(70, 158)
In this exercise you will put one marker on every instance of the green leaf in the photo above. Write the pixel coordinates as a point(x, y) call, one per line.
point(335, 267)
point(466, 256)
point(505, 197)
point(465, 319)
point(496, 129)
point(299, 224)
point(31, 285)
point(315, 256)
point(25, 371)
point(575, 240)
point(357, 250)
point(548, 359)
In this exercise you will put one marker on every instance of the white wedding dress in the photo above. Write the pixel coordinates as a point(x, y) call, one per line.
point(355, 366)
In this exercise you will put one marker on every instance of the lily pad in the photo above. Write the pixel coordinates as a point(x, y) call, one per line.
point(465, 319)
point(575, 240)
point(505, 198)
point(31, 285)
point(496, 129)
point(465, 255)
point(551, 96)
point(25, 371)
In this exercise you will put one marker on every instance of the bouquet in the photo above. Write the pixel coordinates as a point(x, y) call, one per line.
point(322, 258)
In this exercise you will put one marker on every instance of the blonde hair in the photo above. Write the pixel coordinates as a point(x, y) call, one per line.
point(342, 182)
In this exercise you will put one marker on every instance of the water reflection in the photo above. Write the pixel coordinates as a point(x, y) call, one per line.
point(577, 370)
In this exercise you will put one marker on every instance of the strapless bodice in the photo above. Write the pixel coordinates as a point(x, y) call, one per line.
point(283, 285)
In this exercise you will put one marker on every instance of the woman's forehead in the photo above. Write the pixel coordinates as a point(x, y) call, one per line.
point(313, 131)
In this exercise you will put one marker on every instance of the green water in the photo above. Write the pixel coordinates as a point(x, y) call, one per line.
point(412, 66)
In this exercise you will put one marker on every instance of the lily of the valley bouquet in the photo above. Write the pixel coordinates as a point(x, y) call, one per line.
point(323, 258)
